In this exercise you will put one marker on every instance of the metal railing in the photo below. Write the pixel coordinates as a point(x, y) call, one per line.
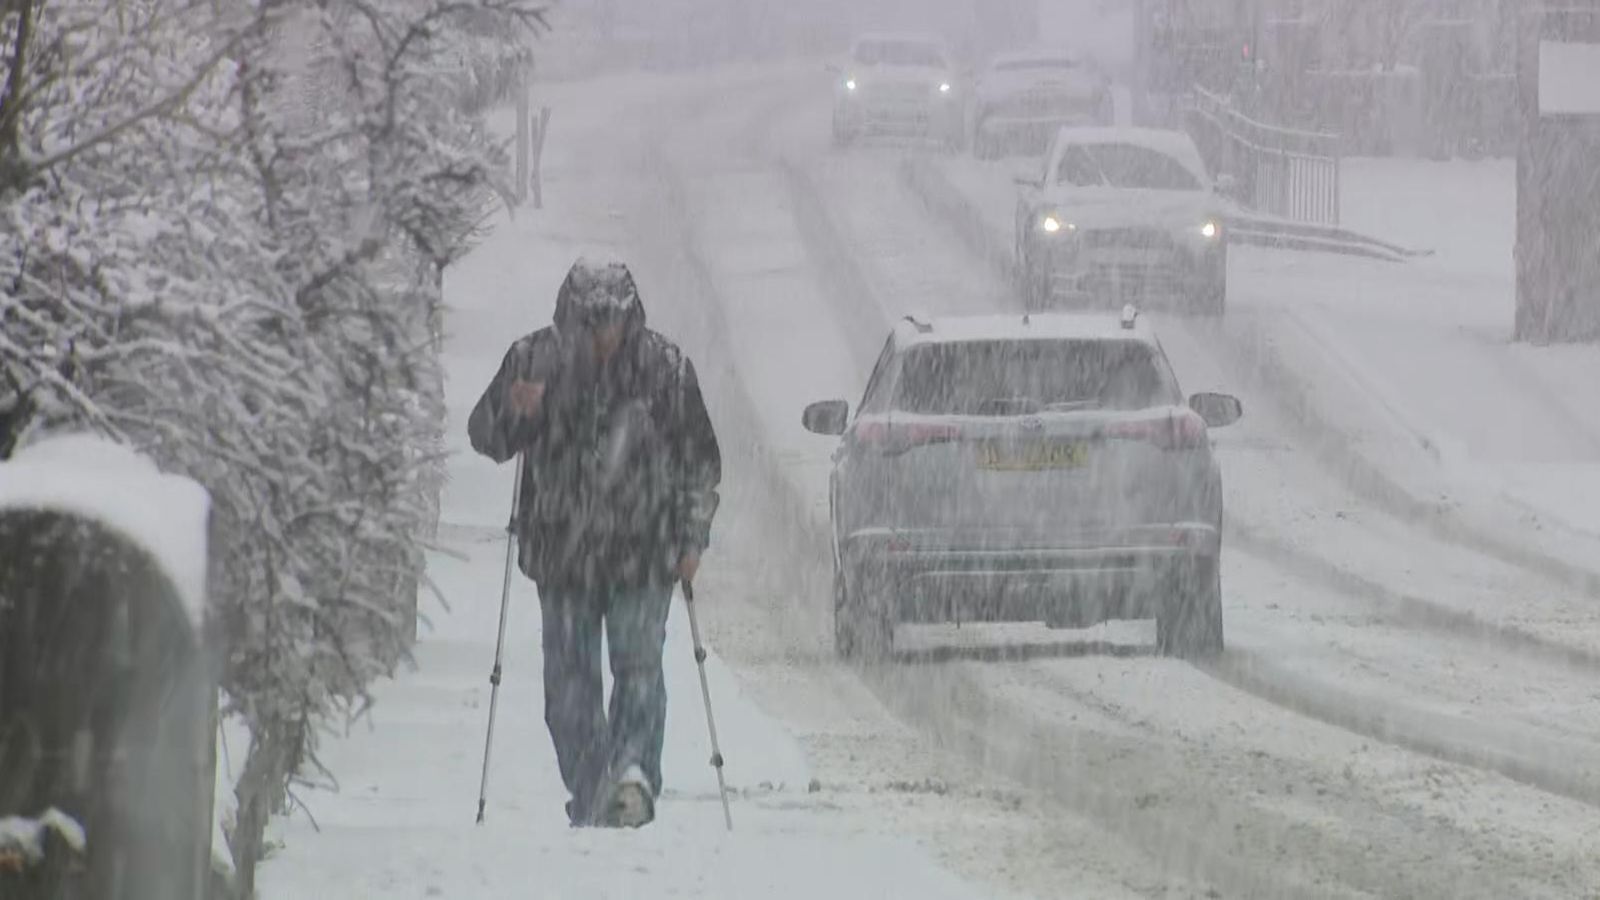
point(1277, 171)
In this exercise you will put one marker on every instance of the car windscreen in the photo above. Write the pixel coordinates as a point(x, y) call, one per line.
point(899, 53)
point(1124, 166)
point(997, 378)
point(1030, 65)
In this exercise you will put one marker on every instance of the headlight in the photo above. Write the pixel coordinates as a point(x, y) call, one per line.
point(944, 87)
point(849, 84)
point(1210, 230)
point(1054, 225)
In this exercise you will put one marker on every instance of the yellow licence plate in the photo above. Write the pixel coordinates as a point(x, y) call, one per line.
point(1032, 457)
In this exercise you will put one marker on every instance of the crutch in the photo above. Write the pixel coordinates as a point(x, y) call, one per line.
point(705, 691)
point(500, 639)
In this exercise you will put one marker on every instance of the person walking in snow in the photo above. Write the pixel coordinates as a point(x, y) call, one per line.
point(618, 490)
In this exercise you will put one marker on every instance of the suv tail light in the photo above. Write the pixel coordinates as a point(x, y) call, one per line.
point(891, 438)
point(1173, 431)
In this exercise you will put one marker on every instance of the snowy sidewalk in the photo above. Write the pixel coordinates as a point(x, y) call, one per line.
point(401, 823)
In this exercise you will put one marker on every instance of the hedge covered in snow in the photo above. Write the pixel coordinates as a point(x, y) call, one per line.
point(222, 225)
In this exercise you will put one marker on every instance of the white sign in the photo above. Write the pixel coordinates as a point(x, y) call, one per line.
point(1569, 79)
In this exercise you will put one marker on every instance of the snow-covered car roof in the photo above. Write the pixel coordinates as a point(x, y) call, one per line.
point(1036, 56)
point(900, 37)
point(1176, 144)
point(1087, 326)
point(83, 475)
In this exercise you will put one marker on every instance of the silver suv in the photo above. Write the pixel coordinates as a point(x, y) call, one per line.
point(1033, 468)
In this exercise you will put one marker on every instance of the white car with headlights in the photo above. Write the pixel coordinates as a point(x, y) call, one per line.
point(1023, 98)
point(1122, 215)
point(899, 85)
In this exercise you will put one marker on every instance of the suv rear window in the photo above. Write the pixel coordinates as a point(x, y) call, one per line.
point(999, 378)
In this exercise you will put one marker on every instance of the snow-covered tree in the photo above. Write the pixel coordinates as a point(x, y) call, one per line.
point(223, 227)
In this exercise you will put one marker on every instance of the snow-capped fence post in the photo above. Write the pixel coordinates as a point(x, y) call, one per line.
point(531, 133)
point(524, 142)
point(538, 156)
point(108, 699)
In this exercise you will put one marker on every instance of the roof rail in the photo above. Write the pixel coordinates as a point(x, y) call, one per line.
point(920, 323)
point(1130, 315)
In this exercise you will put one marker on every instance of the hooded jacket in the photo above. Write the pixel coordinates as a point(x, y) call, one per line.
point(621, 462)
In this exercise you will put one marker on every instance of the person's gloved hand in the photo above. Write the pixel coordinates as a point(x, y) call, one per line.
point(688, 565)
point(524, 398)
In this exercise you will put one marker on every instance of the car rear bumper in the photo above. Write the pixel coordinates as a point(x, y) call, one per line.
point(928, 577)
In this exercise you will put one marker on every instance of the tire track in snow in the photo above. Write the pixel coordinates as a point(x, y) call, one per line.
point(1255, 358)
point(1405, 609)
point(1338, 776)
point(1446, 738)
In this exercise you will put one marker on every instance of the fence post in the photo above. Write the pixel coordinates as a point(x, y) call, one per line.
point(104, 644)
point(520, 190)
point(1338, 187)
point(538, 156)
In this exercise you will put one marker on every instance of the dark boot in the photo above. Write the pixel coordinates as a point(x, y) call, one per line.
point(630, 803)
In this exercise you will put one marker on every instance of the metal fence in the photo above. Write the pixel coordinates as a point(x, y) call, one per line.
point(1276, 171)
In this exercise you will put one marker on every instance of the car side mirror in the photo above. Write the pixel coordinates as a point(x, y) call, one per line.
point(1027, 175)
point(1226, 183)
point(828, 417)
point(1218, 410)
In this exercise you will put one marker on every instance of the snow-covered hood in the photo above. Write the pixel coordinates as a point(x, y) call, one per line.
point(1095, 208)
point(1003, 85)
point(598, 287)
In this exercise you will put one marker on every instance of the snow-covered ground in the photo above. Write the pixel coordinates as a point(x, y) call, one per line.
point(1403, 711)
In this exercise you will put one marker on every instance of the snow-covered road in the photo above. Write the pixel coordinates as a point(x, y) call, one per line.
point(1410, 705)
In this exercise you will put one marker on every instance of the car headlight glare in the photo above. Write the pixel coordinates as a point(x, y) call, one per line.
point(1210, 230)
point(944, 87)
point(849, 84)
point(1054, 225)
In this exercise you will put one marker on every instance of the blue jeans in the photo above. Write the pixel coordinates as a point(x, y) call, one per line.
point(592, 746)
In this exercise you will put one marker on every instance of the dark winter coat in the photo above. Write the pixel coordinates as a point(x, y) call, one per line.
point(622, 464)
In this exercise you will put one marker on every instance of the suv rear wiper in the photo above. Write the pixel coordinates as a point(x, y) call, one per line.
point(1008, 406)
point(1072, 405)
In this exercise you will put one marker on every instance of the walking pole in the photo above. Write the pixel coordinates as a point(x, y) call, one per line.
point(500, 639)
point(705, 691)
